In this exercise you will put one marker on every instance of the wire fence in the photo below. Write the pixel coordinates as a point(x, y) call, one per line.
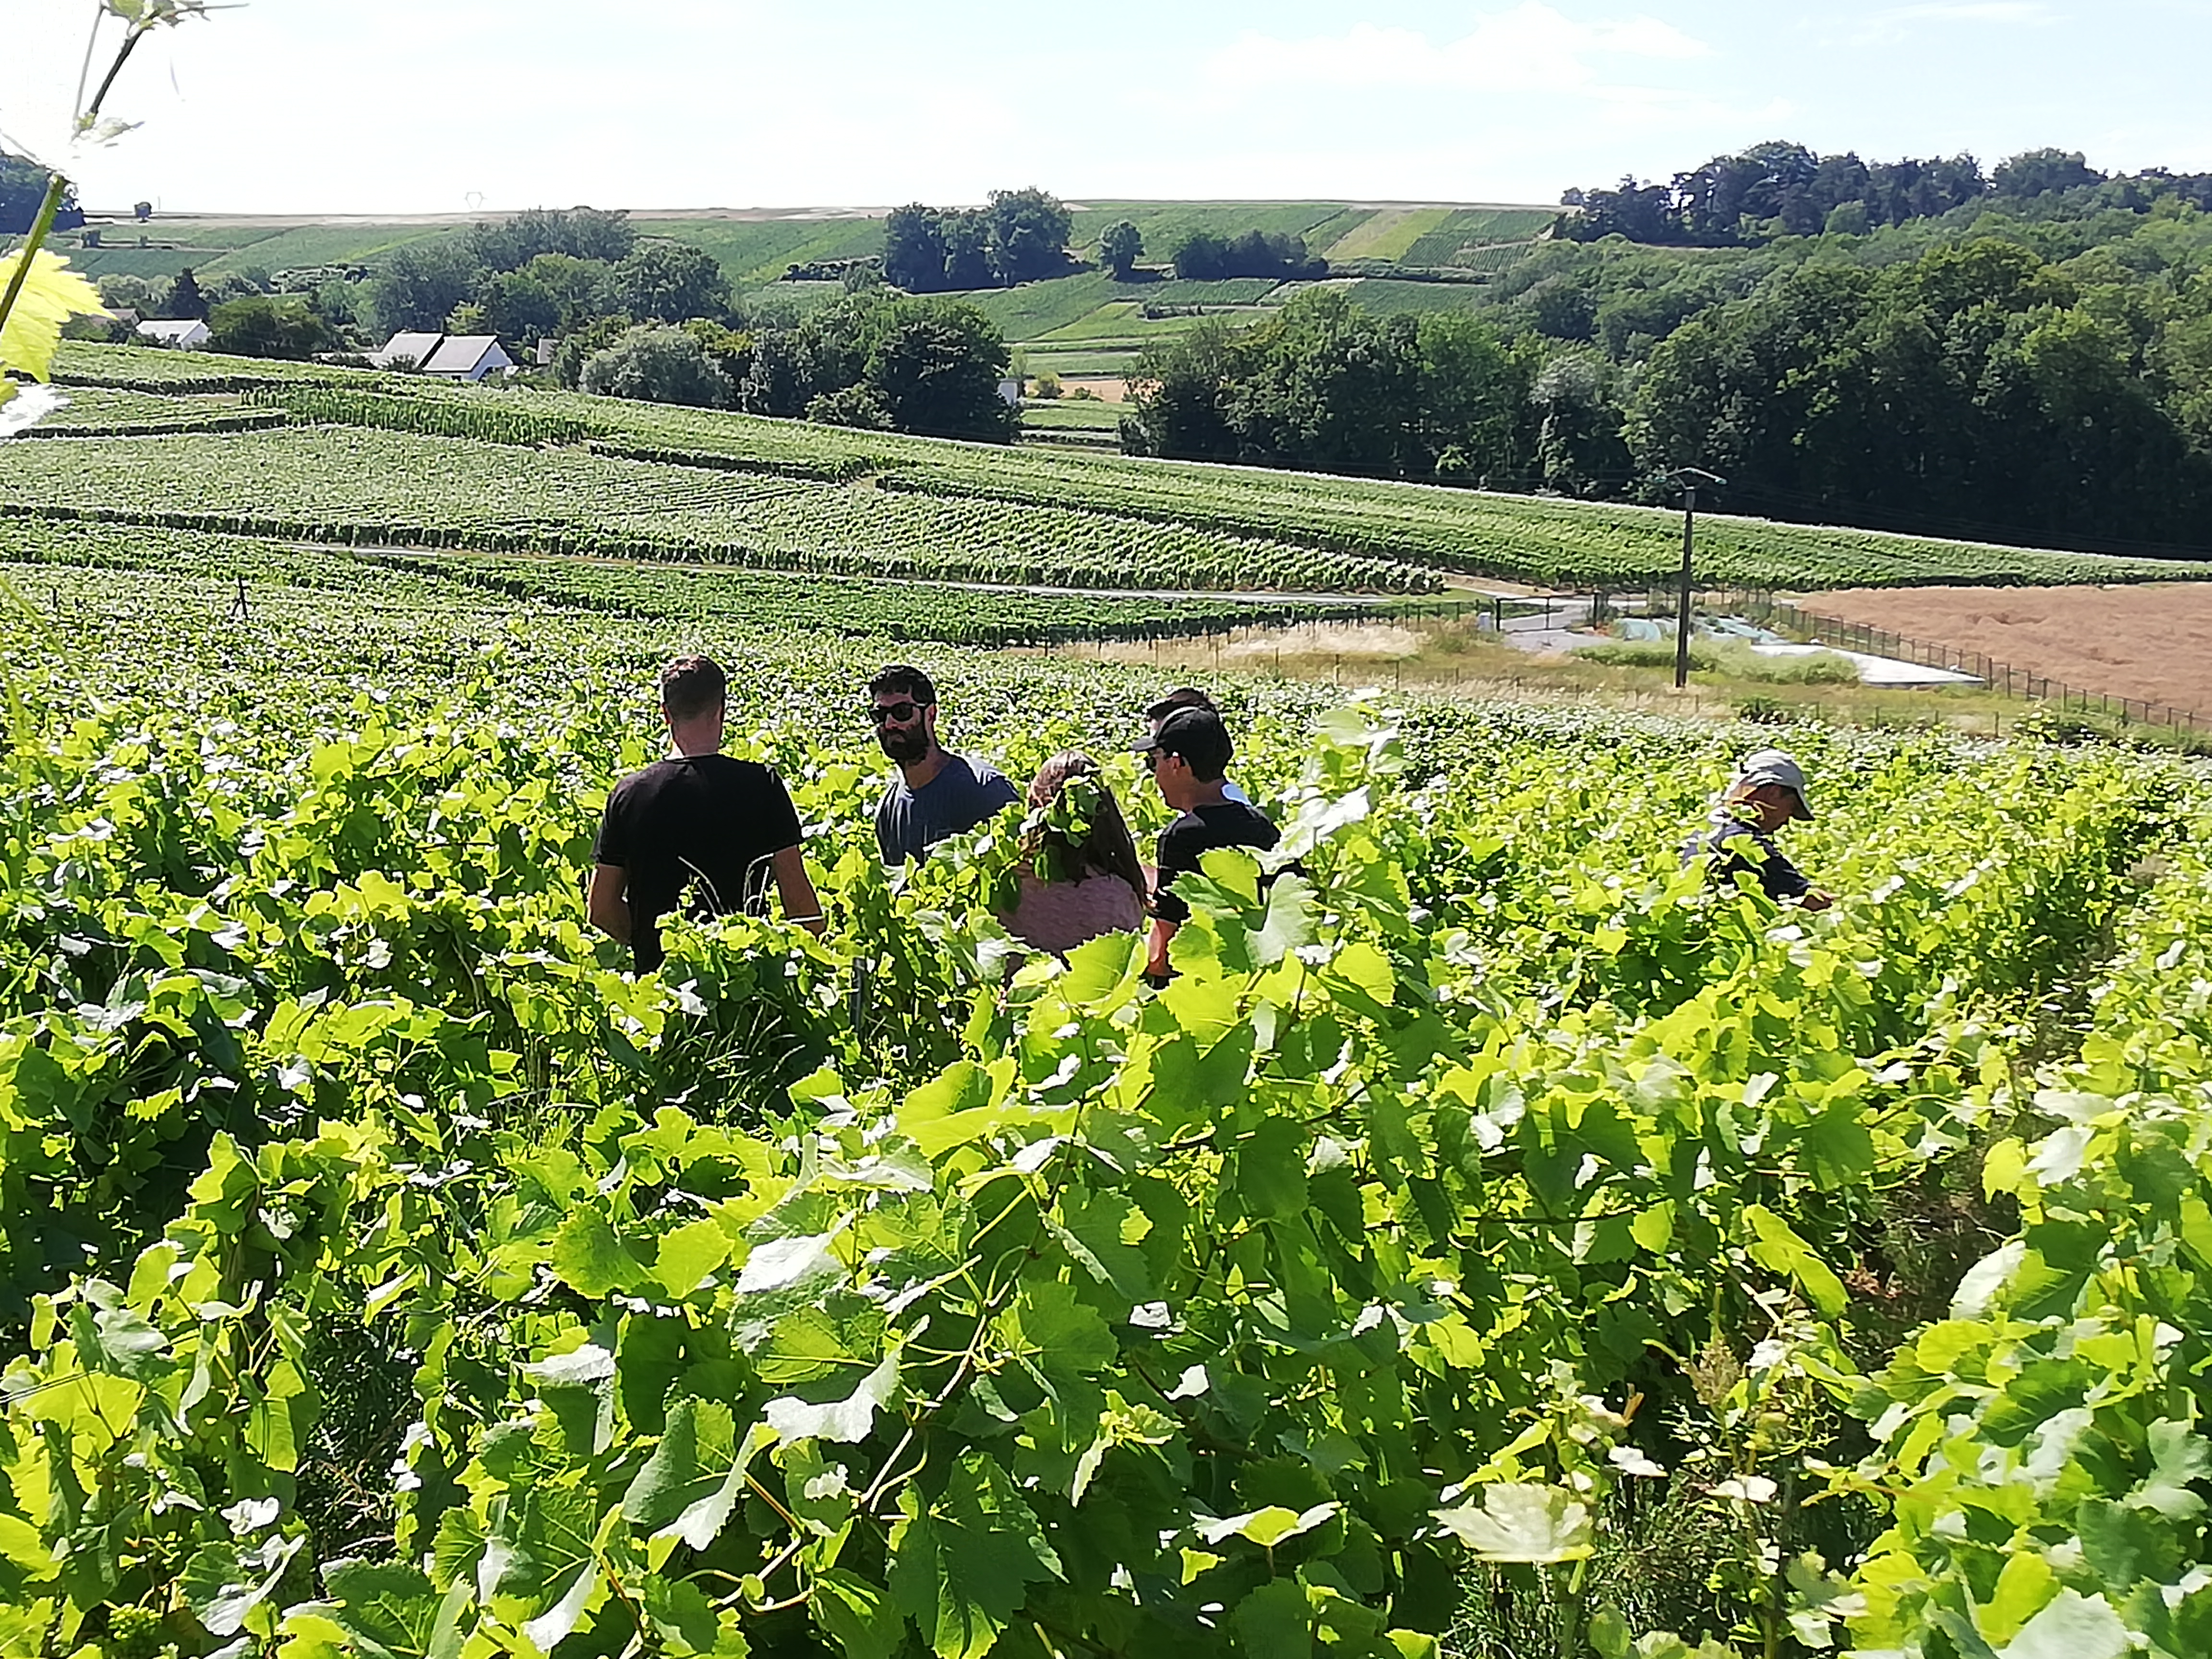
point(1762, 606)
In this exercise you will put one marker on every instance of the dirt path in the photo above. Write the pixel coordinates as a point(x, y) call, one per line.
point(2151, 640)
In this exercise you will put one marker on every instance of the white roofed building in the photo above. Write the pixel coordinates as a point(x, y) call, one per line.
point(183, 334)
point(452, 356)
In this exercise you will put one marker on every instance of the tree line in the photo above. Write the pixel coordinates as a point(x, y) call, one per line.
point(1785, 189)
point(2032, 364)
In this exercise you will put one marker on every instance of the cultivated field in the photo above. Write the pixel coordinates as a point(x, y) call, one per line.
point(2152, 642)
point(1498, 1241)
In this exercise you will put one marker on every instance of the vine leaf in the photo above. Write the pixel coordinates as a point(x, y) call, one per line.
point(961, 1566)
point(1521, 1522)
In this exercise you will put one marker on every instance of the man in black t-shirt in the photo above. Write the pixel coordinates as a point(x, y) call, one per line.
point(700, 832)
point(1190, 754)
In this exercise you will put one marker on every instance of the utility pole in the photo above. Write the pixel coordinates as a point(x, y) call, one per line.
point(1689, 478)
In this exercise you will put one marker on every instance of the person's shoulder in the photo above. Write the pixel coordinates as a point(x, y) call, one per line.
point(1241, 818)
point(643, 778)
point(751, 774)
point(986, 776)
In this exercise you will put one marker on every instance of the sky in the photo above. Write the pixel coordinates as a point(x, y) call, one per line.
point(461, 106)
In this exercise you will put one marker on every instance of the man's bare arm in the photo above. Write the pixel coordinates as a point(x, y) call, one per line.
point(608, 905)
point(796, 889)
point(1156, 950)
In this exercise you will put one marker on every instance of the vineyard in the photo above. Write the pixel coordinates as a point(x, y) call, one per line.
point(1493, 1242)
point(926, 508)
point(38, 558)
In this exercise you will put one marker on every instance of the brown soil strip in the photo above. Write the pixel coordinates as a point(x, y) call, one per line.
point(2151, 640)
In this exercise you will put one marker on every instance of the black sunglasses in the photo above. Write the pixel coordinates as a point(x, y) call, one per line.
point(900, 712)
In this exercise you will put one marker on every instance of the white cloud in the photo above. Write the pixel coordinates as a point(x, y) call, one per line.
point(1533, 48)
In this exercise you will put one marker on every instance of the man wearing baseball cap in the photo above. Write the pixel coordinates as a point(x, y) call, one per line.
point(1189, 753)
point(1768, 791)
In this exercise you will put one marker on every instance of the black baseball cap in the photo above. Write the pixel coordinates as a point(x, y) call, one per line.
point(1197, 735)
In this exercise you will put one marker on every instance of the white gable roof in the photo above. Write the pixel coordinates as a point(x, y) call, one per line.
point(415, 348)
point(182, 330)
point(459, 353)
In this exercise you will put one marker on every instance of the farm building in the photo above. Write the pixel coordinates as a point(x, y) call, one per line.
point(452, 356)
point(182, 334)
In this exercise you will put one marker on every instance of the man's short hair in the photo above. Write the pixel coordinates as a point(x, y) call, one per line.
point(692, 686)
point(1183, 697)
point(904, 680)
point(1199, 736)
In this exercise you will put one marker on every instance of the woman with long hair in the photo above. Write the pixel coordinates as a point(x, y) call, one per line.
point(1077, 875)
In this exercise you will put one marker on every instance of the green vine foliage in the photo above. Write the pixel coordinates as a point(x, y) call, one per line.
point(395, 1277)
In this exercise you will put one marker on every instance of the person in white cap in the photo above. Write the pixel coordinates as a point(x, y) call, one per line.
point(1768, 791)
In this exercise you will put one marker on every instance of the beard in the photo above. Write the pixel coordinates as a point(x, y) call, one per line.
point(905, 746)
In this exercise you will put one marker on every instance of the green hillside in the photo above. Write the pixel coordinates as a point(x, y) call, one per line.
point(400, 462)
point(1083, 324)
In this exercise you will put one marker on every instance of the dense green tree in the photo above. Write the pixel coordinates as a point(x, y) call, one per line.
point(967, 254)
point(670, 282)
point(1579, 450)
point(579, 348)
point(518, 308)
point(656, 364)
point(2040, 172)
point(1120, 247)
point(259, 327)
point(419, 283)
point(1975, 389)
point(1471, 399)
point(23, 192)
point(1029, 234)
point(1180, 407)
point(1203, 256)
point(913, 249)
point(183, 298)
point(580, 232)
point(852, 405)
point(1324, 385)
point(1562, 308)
point(936, 367)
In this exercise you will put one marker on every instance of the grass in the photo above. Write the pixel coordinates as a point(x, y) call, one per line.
point(1733, 660)
point(1163, 224)
point(1122, 322)
point(1388, 234)
point(1386, 298)
point(1036, 309)
point(1090, 363)
point(1080, 414)
point(1476, 228)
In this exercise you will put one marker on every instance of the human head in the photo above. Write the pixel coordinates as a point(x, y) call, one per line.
point(692, 689)
point(908, 730)
point(1189, 755)
point(1772, 784)
point(1107, 849)
point(1183, 697)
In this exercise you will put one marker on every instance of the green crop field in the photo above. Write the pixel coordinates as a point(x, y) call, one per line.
point(1388, 297)
point(1496, 1239)
point(400, 460)
point(1087, 413)
point(1386, 234)
point(1445, 243)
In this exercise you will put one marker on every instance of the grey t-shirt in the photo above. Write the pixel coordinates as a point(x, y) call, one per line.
point(964, 792)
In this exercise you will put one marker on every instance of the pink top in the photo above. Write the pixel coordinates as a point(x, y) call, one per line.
point(1059, 915)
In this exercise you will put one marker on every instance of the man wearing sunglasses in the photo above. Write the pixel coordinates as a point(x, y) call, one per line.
point(936, 794)
point(700, 831)
point(1189, 753)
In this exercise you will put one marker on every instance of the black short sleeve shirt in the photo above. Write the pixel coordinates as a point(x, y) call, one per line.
point(1198, 832)
point(695, 833)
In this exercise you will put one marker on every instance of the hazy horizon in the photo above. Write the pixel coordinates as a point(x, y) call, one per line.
point(292, 108)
